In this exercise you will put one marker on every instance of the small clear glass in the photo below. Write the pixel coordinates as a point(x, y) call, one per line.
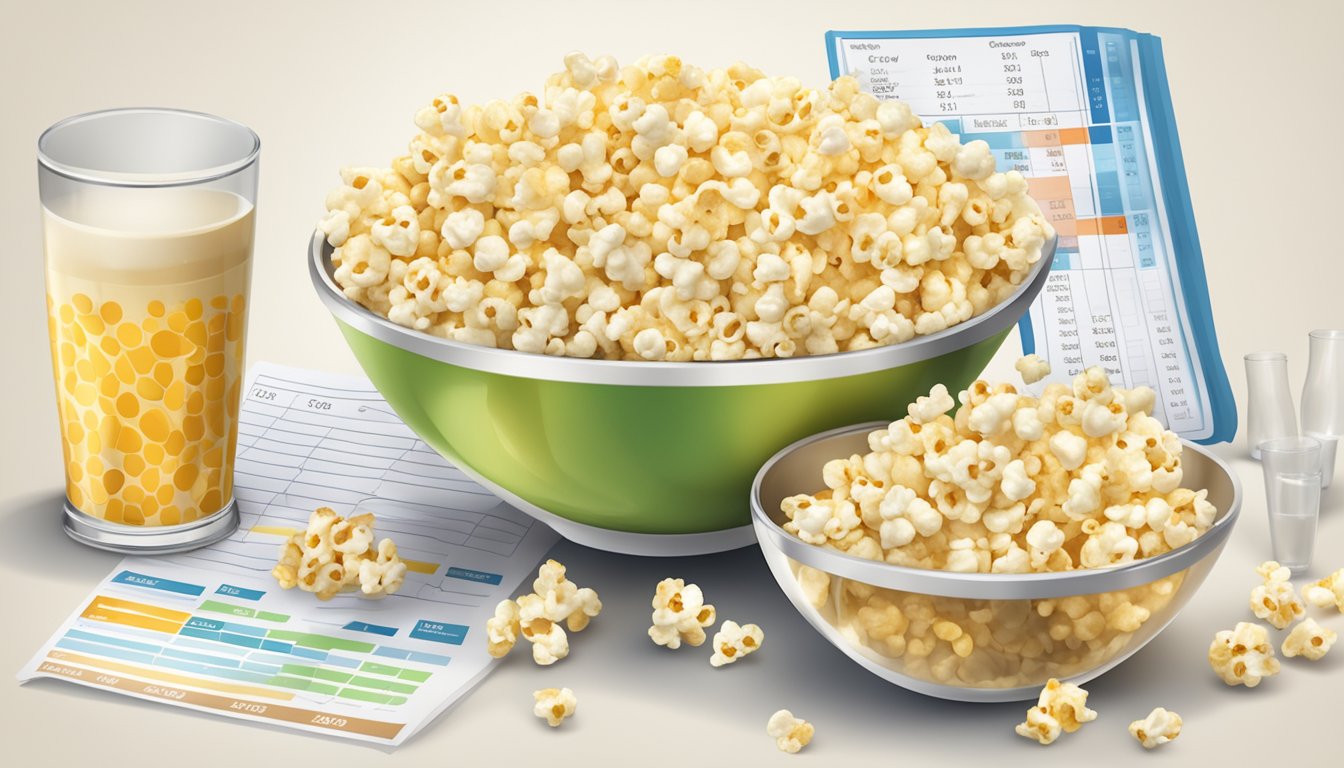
point(1292, 467)
point(1329, 446)
point(1269, 402)
point(1323, 392)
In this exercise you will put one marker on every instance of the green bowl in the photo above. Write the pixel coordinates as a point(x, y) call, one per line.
point(650, 458)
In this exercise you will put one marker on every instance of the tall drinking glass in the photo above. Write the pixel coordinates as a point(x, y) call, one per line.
point(1269, 407)
point(1323, 392)
point(148, 223)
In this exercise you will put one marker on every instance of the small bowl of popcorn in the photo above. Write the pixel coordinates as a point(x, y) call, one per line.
point(975, 557)
point(609, 303)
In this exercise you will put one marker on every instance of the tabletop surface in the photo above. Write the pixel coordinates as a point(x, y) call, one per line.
point(338, 86)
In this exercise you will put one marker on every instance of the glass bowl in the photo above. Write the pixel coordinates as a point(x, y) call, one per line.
point(979, 637)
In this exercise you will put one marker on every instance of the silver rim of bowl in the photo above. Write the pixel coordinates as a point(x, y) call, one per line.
point(988, 586)
point(509, 362)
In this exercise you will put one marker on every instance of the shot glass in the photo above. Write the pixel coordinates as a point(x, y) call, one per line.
point(1269, 403)
point(1329, 447)
point(148, 225)
point(1292, 467)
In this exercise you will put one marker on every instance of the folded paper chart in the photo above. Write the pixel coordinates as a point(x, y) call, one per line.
point(211, 630)
point(1085, 114)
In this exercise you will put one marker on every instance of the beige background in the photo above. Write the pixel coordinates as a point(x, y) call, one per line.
point(1257, 99)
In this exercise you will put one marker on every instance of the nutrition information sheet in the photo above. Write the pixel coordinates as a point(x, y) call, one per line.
point(1066, 109)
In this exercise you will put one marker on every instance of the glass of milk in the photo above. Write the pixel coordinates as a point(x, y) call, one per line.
point(148, 223)
point(1292, 468)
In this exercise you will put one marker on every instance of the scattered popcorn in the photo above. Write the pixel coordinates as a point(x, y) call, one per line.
point(1326, 592)
point(679, 614)
point(791, 733)
point(1158, 728)
point(335, 554)
point(664, 212)
point(541, 617)
point(1062, 707)
point(733, 641)
point(1243, 655)
point(1275, 601)
point(554, 705)
point(1033, 368)
point(1309, 639)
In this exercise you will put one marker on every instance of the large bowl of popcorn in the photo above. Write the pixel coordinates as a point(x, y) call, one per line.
point(974, 558)
point(611, 302)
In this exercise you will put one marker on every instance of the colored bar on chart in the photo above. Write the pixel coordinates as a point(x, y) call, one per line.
point(120, 642)
point(168, 677)
point(467, 574)
point(152, 582)
point(1105, 225)
point(215, 606)
point(420, 566)
point(278, 618)
point(439, 632)
point(356, 694)
point(318, 673)
point(375, 629)
point(382, 685)
point(277, 712)
point(320, 642)
point(429, 658)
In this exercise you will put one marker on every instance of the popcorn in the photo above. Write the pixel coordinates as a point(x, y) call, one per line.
point(1275, 601)
point(554, 705)
point(790, 733)
point(1309, 639)
point(1243, 655)
point(1326, 592)
point(542, 616)
point(1158, 728)
point(800, 216)
point(679, 614)
point(1062, 707)
point(734, 641)
point(335, 554)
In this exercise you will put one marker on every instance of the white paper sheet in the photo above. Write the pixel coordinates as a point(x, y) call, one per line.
point(211, 630)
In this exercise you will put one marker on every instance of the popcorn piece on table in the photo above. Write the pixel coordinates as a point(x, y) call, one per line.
point(1158, 728)
point(679, 614)
point(791, 733)
point(541, 616)
point(1326, 592)
point(335, 554)
point(554, 705)
point(1243, 655)
point(733, 641)
point(1062, 707)
point(1275, 601)
point(1033, 368)
point(1309, 639)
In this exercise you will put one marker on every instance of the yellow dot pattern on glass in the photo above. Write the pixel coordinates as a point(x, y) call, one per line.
point(148, 399)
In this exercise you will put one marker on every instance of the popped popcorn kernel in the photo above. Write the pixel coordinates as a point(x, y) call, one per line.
point(1061, 708)
point(1326, 592)
point(1159, 727)
point(1275, 600)
point(667, 213)
point(790, 733)
point(733, 642)
point(1309, 639)
point(335, 554)
point(680, 614)
point(554, 705)
point(1032, 367)
point(1243, 655)
point(542, 616)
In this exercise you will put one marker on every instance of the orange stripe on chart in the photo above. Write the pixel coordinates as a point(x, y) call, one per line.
point(156, 611)
point(97, 613)
point(1074, 136)
point(375, 728)
point(167, 677)
point(1043, 188)
point(1106, 225)
point(420, 567)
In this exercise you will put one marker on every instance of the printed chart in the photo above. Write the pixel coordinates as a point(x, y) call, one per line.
point(1067, 108)
point(211, 630)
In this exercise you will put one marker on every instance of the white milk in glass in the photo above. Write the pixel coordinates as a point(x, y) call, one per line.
point(147, 301)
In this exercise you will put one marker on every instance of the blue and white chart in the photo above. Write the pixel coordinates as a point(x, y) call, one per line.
point(210, 629)
point(1085, 114)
